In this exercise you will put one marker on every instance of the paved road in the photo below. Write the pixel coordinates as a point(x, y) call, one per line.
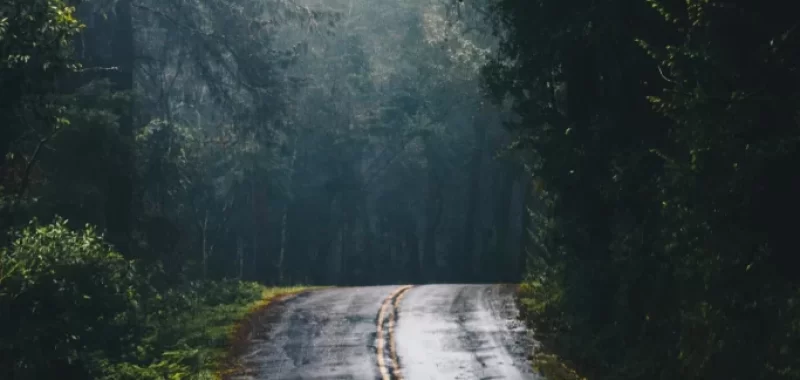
point(423, 332)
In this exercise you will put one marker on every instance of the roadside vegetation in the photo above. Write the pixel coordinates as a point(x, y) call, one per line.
point(109, 291)
point(72, 307)
point(663, 141)
point(159, 159)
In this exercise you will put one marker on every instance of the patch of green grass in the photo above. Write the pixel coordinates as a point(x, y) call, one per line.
point(195, 342)
point(83, 311)
point(536, 300)
point(238, 334)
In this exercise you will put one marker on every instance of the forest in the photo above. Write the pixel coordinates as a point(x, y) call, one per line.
point(630, 163)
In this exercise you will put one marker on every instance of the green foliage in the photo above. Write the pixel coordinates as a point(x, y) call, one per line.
point(63, 294)
point(665, 150)
point(73, 307)
point(37, 35)
point(35, 53)
point(188, 330)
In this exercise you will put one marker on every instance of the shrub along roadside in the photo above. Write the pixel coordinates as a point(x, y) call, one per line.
point(192, 337)
point(71, 307)
point(535, 301)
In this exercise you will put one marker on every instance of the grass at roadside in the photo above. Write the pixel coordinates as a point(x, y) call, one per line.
point(240, 333)
point(534, 300)
point(194, 340)
point(82, 311)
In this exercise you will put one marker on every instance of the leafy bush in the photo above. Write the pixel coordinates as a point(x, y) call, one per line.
point(188, 328)
point(65, 297)
point(71, 307)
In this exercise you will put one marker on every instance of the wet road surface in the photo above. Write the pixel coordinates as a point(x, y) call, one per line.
point(462, 332)
point(423, 332)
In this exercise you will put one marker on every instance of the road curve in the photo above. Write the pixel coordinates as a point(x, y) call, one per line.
point(462, 332)
point(437, 332)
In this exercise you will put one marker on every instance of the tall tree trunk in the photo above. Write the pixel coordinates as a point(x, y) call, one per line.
point(282, 248)
point(254, 229)
point(239, 256)
point(118, 210)
point(433, 215)
point(413, 268)
point(467, 264)
point(503, 259)
point(369, 256)
point(325, 248)
point(205, 246)
point(528, 202)
point(343, 247)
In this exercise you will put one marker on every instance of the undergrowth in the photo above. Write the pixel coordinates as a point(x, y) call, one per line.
point(192, 339)
point(536, 299)
point(72, 308)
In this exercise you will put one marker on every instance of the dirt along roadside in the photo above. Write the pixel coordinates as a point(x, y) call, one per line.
point(255, 323)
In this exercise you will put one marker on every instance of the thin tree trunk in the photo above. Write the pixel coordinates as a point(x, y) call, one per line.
point(528, 200)
point(468, 264)
point(502, 259)
point(29, 165)
point(118, 208)
point(240, 255)
point(433, 214)
point(255, 229)
point(343, 233)
point(413, 268)
point(325, 250)
point(205, 246)
point(429, 258)
point(282, 251)
point(369, 258)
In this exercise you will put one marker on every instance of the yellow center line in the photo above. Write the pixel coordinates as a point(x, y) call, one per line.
point(381, 339)
point(392, 341)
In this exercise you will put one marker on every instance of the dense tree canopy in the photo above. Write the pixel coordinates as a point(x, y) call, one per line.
point(664, 139)
point(278, 141)
point(643, 188)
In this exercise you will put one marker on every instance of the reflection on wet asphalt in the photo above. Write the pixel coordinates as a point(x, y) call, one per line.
point(462, 332)
point(442, 332)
